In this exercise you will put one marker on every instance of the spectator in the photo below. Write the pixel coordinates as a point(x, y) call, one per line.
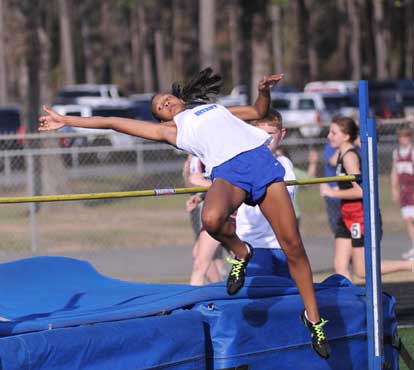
point(333, 205)
point(252, 226)
point(349, 238)
point(402, 183)
point(207, 253)
point(313, 158)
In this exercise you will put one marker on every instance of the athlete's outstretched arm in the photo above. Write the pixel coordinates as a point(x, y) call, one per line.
point(261, 106)
point(153, 131)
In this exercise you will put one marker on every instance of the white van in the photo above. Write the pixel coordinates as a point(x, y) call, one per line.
point(309, 112)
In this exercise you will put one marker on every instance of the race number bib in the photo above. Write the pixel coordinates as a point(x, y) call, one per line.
point(356, 230)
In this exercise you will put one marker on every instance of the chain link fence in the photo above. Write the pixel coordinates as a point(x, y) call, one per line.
point(147, 239)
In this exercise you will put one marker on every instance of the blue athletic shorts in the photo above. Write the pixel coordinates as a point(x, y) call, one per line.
point(266, 261)
point(251, 171)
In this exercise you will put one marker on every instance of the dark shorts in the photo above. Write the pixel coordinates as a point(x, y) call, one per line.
point(251, 171)
point(343, 232)
point(353, 233)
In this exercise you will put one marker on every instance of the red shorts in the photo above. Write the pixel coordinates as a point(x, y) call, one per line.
point(353, 213)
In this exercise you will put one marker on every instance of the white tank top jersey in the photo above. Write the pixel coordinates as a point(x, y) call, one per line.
point(213, 134)
point(196, 166)
point(252, 226)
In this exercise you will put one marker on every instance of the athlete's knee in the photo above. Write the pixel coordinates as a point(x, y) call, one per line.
point(293, 248)
point(212, 221)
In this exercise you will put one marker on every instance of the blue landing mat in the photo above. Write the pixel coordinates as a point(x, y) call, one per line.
point(40, 293)
point(60, 313)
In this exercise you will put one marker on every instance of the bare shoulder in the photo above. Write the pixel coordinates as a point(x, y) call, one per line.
point(351, 162)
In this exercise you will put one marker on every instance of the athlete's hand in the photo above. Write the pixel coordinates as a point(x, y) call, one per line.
point(51, 121)
point(267, 82)
point(325, 190)
point(313, 156)
point(192, 203)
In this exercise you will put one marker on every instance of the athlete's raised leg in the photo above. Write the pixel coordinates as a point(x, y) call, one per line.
point(221, 201)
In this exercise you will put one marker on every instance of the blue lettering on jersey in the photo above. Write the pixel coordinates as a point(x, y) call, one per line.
point(204, 110)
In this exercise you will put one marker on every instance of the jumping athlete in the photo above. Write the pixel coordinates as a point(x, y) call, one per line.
point(242, 170)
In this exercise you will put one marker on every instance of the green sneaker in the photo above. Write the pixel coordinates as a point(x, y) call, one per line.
point(319, 342)
point(235, 280)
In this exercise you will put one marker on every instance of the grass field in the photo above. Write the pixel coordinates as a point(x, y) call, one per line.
point(136, 222)
point(407, 337)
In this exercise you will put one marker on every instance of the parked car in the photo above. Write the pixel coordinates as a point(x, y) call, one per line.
point(309, 114)
point(96, 137)
point(10, 123)
point(72, 93)
point(391, 98)
point(141, 106)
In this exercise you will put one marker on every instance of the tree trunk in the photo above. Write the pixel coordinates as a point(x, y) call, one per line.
point(409, 45)
point(248, 8)
point(3, 74)
point(179, 31)
point(276, 17)
point(106, 30)
point(234, 30)
point(90, 76)
point(379, 39)
point(260, 50)
point(302, 49)
point(342, 63)
point(147, 71)
point(355, 39)
point(136, 50)
point(161, 61)
point(66, 49)
point(207, 23)
point(311, 41)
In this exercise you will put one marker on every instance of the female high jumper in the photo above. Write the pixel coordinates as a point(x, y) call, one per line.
point(242, 170)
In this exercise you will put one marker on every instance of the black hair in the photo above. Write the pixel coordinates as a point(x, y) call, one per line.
point(200, 89)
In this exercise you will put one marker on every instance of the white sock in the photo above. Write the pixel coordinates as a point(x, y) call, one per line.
point(306, 315)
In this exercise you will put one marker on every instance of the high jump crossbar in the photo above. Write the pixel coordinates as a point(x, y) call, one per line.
point(155, 192)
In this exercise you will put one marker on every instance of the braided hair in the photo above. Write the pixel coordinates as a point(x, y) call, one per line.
point(200, 89)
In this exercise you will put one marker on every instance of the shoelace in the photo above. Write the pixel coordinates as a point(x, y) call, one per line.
point(320, 335)
point(237, 266)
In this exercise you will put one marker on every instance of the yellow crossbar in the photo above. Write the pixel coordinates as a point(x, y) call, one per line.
point(154, 192)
